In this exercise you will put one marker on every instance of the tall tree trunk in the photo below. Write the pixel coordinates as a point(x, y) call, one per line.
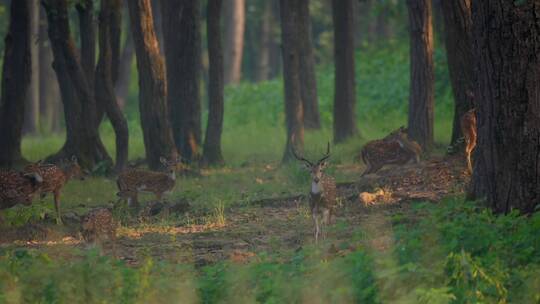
point(294, 114)
point(124, 71)
point(275, 43)
point(82, 136)
point(421, 102)
point(158, 21)
point(263, 61)
point(345, 84)
point(458, 27)
point(235, 17)
point(507, 47)
point(212, 141)
point(109, 22)
point(308, 83)
point(87, 31)
point(155, 123)
point(182, 42)
point(438, 7)
point(15, 82)
point(31, 119)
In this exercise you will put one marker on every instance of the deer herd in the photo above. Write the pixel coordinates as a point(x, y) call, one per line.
point(20, 187)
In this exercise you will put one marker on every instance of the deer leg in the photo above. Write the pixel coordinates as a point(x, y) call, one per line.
point(325, 222)
point(368, 169)
point(57, 206)
point(317, 228)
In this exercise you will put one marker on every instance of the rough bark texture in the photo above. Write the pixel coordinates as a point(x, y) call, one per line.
point(87, 30)
point(507, 62)
point(109, 36)
point(265, 36)
point(82, 136)
point(158, 21)
point(308, 83)
point(421, 98)
point(15, 81)
point(345, 84)
point(157, 133)
point(124, 71)
point(294, 115)
point(31, 119)
point(235, 18)
point(212, 141)
point(182, 43)
point(458, 27)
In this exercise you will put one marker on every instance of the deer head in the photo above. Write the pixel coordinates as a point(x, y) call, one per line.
point(72, 168)
point(316, 169)
point(171, 165)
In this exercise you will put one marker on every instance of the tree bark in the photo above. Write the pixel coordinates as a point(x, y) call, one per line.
point(275, 44)
point(212, 141)
point(506, 49)
point(294, 114)
point(87, 32)
point(109, 36)
point(182, 43)
point(345, 83)
point(124, 71)
point(15, 82)
point(235, 16)
point(308, 82)
point(31, 119)
point(155, 123)
point(82, 136)
point(50, 105)
point(263, 61)
point(458, 27)
point(158, 21)
point(421, 103)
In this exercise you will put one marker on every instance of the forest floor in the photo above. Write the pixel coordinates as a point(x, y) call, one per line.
point(240, 233)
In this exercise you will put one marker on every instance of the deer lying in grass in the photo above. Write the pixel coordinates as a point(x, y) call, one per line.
point(133, 181)
point(55, 178)
point(395, 148)
point(18, 188)
point(468, 128)
point(98, 224)
point(322, 197)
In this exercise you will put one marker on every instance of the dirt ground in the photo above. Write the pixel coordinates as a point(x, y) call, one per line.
point(265, 225)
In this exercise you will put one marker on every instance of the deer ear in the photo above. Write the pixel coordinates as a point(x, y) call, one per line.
point(163, 160)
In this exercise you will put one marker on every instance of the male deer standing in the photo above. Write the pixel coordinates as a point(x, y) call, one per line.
point(322, 197)
point(468, 128)
point(18, 188)
point(54, 179)
point(131, 181)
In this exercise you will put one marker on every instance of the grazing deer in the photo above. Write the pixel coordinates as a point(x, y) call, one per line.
point(18, 188)
point(395, 148)
point(322, 197)
point(98, 224)
point(55, 178)
point(468, 128)
point(132, 181)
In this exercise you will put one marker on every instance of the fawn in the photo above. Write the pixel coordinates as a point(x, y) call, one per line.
point(322, 197)
point(98, 223)
point(396, 148)
point(55, 178)
point(17, 187)
point(468, 128)
point(132, 181)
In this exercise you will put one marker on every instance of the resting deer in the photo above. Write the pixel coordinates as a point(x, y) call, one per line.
point(98, 224)
point(395, 148)
point(468, 128)
point(131, 182)
point(55, 178)
point(322, 197)
point(18, 188)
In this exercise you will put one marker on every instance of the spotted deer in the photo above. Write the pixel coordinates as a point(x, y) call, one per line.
point(396, 148)
point(133, 181)
point(97, 225)
point(322, 197)
point(55, 178)
point(468, 128)
point(18, 188)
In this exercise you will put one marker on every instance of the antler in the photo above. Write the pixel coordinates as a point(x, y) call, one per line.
point(296, 155)
point(327, 155)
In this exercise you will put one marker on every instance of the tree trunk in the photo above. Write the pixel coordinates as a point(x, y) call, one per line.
point(155, 123)
point(182, 42)
point(31, 119)
point(308, 83)
point(87, 32)
point(263, 61)
point(275, 44)
point(345, 84)
point(235, 16)
point(294, 114)
point(158, 21)
point(421, 102)
point(109, 36)
point(15, 82)
point(506, 49)
point(458, 27)
point(212, 141)
point(82, 136)
point(124, 71)
point(50, 105)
